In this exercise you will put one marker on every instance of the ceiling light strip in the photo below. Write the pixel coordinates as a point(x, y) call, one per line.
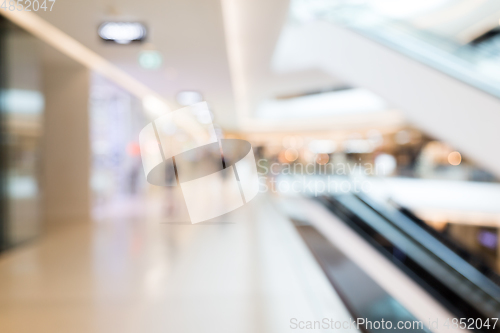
point(77, 51)
point(231, 10)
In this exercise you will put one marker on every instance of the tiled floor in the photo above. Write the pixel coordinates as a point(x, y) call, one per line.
point(135, 270)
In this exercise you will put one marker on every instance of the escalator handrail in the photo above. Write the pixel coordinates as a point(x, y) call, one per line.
point(440, 250)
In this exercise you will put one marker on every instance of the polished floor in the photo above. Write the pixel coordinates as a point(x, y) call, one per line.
point(137, 269)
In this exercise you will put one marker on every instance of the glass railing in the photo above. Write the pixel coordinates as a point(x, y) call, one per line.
point(460, 38)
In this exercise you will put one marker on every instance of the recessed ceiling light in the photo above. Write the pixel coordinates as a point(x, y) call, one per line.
point(188, 97)
point(122, 32)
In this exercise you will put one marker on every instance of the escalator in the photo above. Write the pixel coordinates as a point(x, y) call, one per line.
point(436, 61)
point(459, 280)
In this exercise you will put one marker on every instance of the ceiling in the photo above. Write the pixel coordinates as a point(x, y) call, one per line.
point(188, 33)
point(225, 49)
